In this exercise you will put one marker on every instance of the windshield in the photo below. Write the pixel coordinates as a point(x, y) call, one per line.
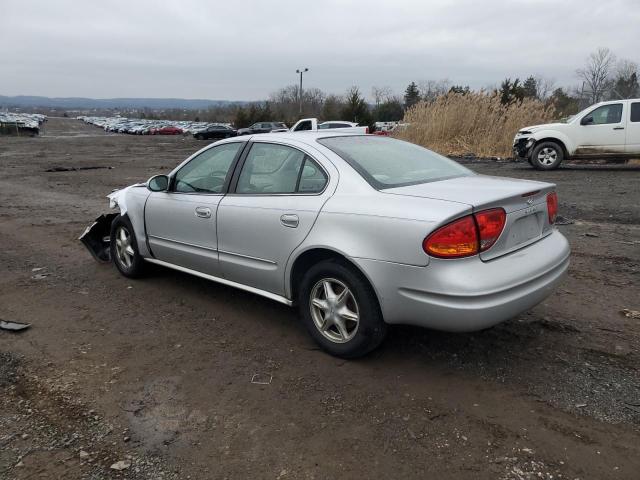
point(386, 163)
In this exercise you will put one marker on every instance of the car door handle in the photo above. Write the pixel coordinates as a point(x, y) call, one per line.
point(289, 220)
point(618, 128)
point(203, 212)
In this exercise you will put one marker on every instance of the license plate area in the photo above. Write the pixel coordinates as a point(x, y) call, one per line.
point(525, 229)
point(522, 228)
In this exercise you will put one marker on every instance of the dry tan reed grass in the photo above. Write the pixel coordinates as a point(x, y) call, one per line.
point(475, 123)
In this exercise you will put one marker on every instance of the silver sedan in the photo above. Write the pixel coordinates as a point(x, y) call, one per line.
point(358, 231)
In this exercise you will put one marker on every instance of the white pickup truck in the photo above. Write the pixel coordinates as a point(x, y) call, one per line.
point(604, 130)
point(312, 125)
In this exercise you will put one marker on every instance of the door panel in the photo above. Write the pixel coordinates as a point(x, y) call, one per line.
point(606, 135)
point(258, 233)
point(279, 192)
point(181, 229)
point(181, 223)
point(633, 129)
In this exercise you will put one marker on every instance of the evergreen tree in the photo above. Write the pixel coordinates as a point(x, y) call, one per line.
point(460, 89)
point(511, 91)
point(565, 104)
point(355, 108)
point(530, 88)
point(389, 111)
point(411, 95)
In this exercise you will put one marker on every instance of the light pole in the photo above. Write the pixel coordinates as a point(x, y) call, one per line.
point(301, 71)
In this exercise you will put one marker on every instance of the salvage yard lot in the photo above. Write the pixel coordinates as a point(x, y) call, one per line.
point(157, 373)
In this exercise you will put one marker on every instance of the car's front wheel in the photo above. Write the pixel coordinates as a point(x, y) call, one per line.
point(124, 248)
point(546, 156)
point(340, 310)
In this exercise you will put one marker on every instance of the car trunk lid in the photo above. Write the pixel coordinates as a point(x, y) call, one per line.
point(523, 201)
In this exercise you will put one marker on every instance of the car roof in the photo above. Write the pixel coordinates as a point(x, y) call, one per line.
point(305, 136)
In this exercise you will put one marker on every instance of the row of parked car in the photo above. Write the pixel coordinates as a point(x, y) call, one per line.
point(140, 126)
point(206, 131)
point(24, 122)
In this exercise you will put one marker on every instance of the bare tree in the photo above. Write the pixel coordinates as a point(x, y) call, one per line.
point(431, 89)
point(625, 81)
point(544, 87)
point(596, 73)
point(285, 102)
point(380, 94)
point(625, 68)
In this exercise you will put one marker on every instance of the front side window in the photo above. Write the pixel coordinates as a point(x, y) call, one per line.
point(607, 114)
point(271, 168)
point(387, 163)
point(207, 172)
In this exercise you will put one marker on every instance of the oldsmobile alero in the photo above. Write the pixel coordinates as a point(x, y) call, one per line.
point(358, 231)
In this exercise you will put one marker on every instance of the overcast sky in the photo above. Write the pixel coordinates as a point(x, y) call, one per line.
point(243, 50)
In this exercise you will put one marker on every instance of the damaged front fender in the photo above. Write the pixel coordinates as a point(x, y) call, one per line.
point(97, 237)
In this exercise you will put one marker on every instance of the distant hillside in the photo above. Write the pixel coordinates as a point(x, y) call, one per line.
point(25, 101)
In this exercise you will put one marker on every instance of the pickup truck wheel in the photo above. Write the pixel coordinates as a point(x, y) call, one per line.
point(340, 310)
point(546, 156)
point(124, 248)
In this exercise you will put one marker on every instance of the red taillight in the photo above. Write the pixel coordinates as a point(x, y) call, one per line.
point(552, 206)
point(366, 130)
point(466, 236)
point(490, 224)
point(458, 239)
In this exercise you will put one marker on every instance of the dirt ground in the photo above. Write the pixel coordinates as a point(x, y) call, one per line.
point(156, 374)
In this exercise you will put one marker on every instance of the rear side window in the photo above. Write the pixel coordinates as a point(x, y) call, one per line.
point(312, 178)
point(635, 112)
point(279, 169)
point(386, 162)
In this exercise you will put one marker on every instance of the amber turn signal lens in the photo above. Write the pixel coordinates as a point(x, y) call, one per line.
point(455, 240)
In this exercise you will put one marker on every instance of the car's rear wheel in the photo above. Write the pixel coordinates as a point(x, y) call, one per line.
point(546, 156)
point(124, 248)
point(340, 310)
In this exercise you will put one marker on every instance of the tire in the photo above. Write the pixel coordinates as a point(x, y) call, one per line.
point(124, 248)
point(354, 334)
point(546, 156)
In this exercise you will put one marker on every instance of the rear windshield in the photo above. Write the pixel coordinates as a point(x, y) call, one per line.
point(386, 163)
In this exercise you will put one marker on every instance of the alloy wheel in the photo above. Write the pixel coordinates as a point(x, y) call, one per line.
point(124, 248)
point(547, 156)
point(334, 310)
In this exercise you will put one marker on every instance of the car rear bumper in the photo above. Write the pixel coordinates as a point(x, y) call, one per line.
point(469, 294)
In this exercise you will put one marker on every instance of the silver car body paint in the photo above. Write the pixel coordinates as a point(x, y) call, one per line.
point(131, 201)
point(248, 240)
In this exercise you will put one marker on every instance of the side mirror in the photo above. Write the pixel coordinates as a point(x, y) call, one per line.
point(588, 120)
point(158, 183)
